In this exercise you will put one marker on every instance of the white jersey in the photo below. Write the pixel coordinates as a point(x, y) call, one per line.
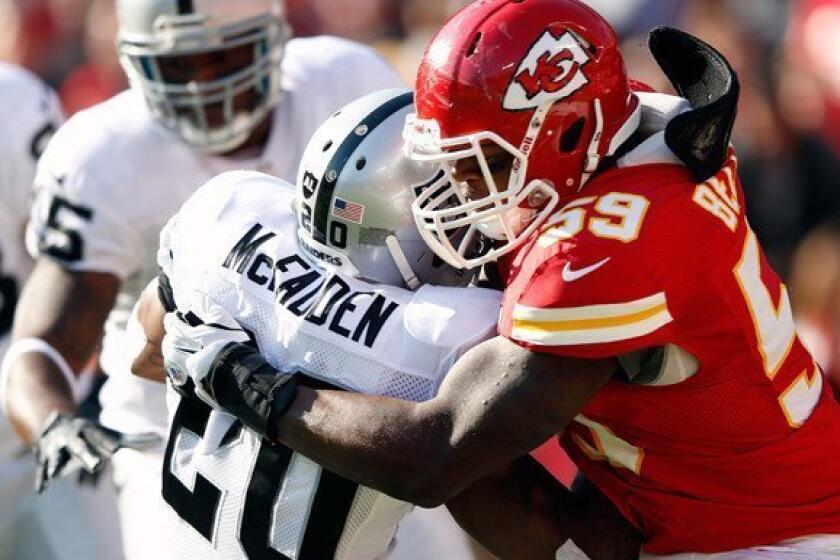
point(30, 113)
point(112, 176)
point(234, 244)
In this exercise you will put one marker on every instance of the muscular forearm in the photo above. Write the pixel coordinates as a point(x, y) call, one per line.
point(35, 374)
point(390, 445)
point(524, 512)
point(66, 310)
point(493, 407)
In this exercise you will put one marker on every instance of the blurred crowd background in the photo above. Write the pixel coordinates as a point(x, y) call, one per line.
point(787, 53)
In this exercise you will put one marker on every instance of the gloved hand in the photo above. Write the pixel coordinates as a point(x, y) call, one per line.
point(228, 372)
point(191, 343)
point(68, 443)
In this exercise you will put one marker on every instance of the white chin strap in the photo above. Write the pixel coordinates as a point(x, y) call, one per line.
point(397, 254)
point(593, 158)
point(493, 227)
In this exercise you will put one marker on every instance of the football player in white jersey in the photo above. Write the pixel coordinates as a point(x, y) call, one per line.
point(334, 280)
point(216, 85)
point(28, 529)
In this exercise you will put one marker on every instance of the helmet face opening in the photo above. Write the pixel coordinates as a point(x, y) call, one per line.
point(356, 187)
point(482, 202)
point(210, 83)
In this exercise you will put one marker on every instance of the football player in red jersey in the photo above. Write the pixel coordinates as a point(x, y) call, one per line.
point(641, 321)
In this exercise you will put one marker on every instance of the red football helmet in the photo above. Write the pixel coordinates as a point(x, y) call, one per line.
point(542, 79)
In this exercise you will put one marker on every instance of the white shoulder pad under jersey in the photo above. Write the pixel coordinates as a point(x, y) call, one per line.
point(234, 244)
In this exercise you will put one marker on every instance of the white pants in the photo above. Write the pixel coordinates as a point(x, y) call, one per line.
point(147, 522)
point(818, 547)
point(67, 522)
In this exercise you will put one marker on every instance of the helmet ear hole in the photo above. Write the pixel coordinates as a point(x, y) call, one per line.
point(360, 163)
point(474, 45)
point(327, 146)
point(570, 138)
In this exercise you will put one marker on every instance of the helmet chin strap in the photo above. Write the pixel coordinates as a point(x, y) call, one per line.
point(593, 158)
point(397, 254)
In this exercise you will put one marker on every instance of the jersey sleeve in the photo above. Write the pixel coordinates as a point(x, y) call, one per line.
point(216, 209)
point(79, 218)
point(602, 294)
point(619, 306)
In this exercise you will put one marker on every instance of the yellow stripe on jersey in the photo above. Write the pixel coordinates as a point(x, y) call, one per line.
point(591, 324)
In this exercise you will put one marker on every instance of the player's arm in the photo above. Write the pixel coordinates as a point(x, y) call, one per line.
point(498, 402)
point(522, 511)
point(58, 325)
point(146, 324)
point(66, 310)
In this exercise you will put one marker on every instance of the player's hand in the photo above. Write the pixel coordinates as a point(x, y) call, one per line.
point(219, 358)
point(67, 444)
point(192, 342)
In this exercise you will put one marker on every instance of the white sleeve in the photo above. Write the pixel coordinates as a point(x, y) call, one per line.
point(73, 221)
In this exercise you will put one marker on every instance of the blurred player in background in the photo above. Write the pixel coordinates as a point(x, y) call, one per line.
point(216, 86)
point(73, 521)
point(324, 278)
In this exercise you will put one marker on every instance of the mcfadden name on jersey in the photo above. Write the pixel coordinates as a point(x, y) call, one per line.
point(234, 244)
point(725, 437)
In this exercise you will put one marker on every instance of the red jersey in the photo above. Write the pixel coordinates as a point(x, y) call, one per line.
point(728, 438)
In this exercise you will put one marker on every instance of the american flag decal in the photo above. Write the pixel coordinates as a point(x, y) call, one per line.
point(347, 210)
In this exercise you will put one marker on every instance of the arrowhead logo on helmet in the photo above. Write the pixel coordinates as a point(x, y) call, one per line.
point(549, 72)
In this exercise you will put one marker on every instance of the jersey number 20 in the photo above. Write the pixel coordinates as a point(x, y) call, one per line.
point(331, 496)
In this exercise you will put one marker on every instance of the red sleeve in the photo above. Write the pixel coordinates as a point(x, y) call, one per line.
point(616, 308)
point(593, 296)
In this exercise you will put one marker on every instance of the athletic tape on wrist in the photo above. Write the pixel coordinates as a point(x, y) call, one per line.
point(39, 346)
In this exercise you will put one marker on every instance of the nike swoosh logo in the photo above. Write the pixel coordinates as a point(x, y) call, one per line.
point(570, 275)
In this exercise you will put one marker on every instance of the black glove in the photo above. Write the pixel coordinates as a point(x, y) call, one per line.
point(69, 443)
point(245, 385)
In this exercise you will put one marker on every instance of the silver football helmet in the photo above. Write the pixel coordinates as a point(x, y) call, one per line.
point(355, 188)
point(205, 114)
